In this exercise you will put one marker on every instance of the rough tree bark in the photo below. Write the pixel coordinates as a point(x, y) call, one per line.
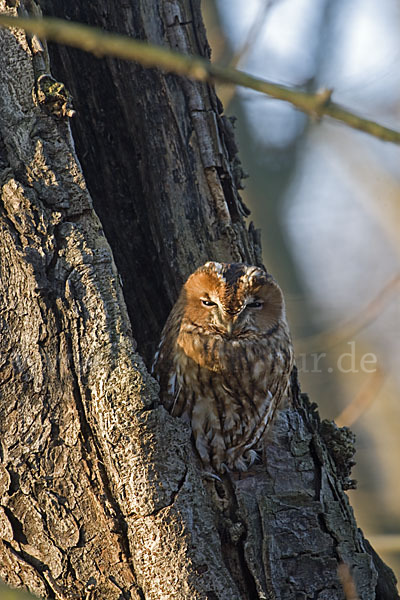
point(101, 494)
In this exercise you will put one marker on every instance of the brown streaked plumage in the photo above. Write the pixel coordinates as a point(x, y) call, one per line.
point(224, 360)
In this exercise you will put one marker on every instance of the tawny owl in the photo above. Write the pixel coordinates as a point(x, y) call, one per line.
point(224, 361)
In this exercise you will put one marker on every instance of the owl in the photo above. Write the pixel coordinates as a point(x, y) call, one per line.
point(224, 361)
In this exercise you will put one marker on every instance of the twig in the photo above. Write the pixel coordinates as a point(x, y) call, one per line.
point(362, 401)
point(100, 43)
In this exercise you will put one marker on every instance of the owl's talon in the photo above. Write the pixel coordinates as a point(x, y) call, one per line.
point(208, 474)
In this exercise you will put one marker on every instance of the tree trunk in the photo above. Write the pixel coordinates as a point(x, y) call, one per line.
point(101, 493)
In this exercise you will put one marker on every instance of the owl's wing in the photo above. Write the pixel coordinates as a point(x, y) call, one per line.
point(262, 408)
point(174, 388)
point(266, 413)
point(165, 371)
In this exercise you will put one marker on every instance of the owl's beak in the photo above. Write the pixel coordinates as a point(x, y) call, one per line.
point(230, 325)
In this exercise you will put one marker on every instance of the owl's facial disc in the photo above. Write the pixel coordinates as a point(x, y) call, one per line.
point(232, 300)
point(232, 318)
point(220, 316)
point(238, 319)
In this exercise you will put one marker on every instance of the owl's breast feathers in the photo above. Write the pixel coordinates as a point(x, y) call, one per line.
point(228, 390)
point(252, 355)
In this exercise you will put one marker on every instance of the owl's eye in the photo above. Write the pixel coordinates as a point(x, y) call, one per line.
point(255, 304)
point(208, 302)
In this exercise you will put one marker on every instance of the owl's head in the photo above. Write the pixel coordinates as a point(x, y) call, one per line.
point(233, 299)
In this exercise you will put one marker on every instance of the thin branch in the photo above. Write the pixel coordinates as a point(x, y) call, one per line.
point(248, 44)
point(362, 401)
point(100, 43)
point(349, 329)
point(252, 34)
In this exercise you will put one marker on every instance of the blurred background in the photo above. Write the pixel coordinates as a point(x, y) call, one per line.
point(327, 199)
point(9, 594)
